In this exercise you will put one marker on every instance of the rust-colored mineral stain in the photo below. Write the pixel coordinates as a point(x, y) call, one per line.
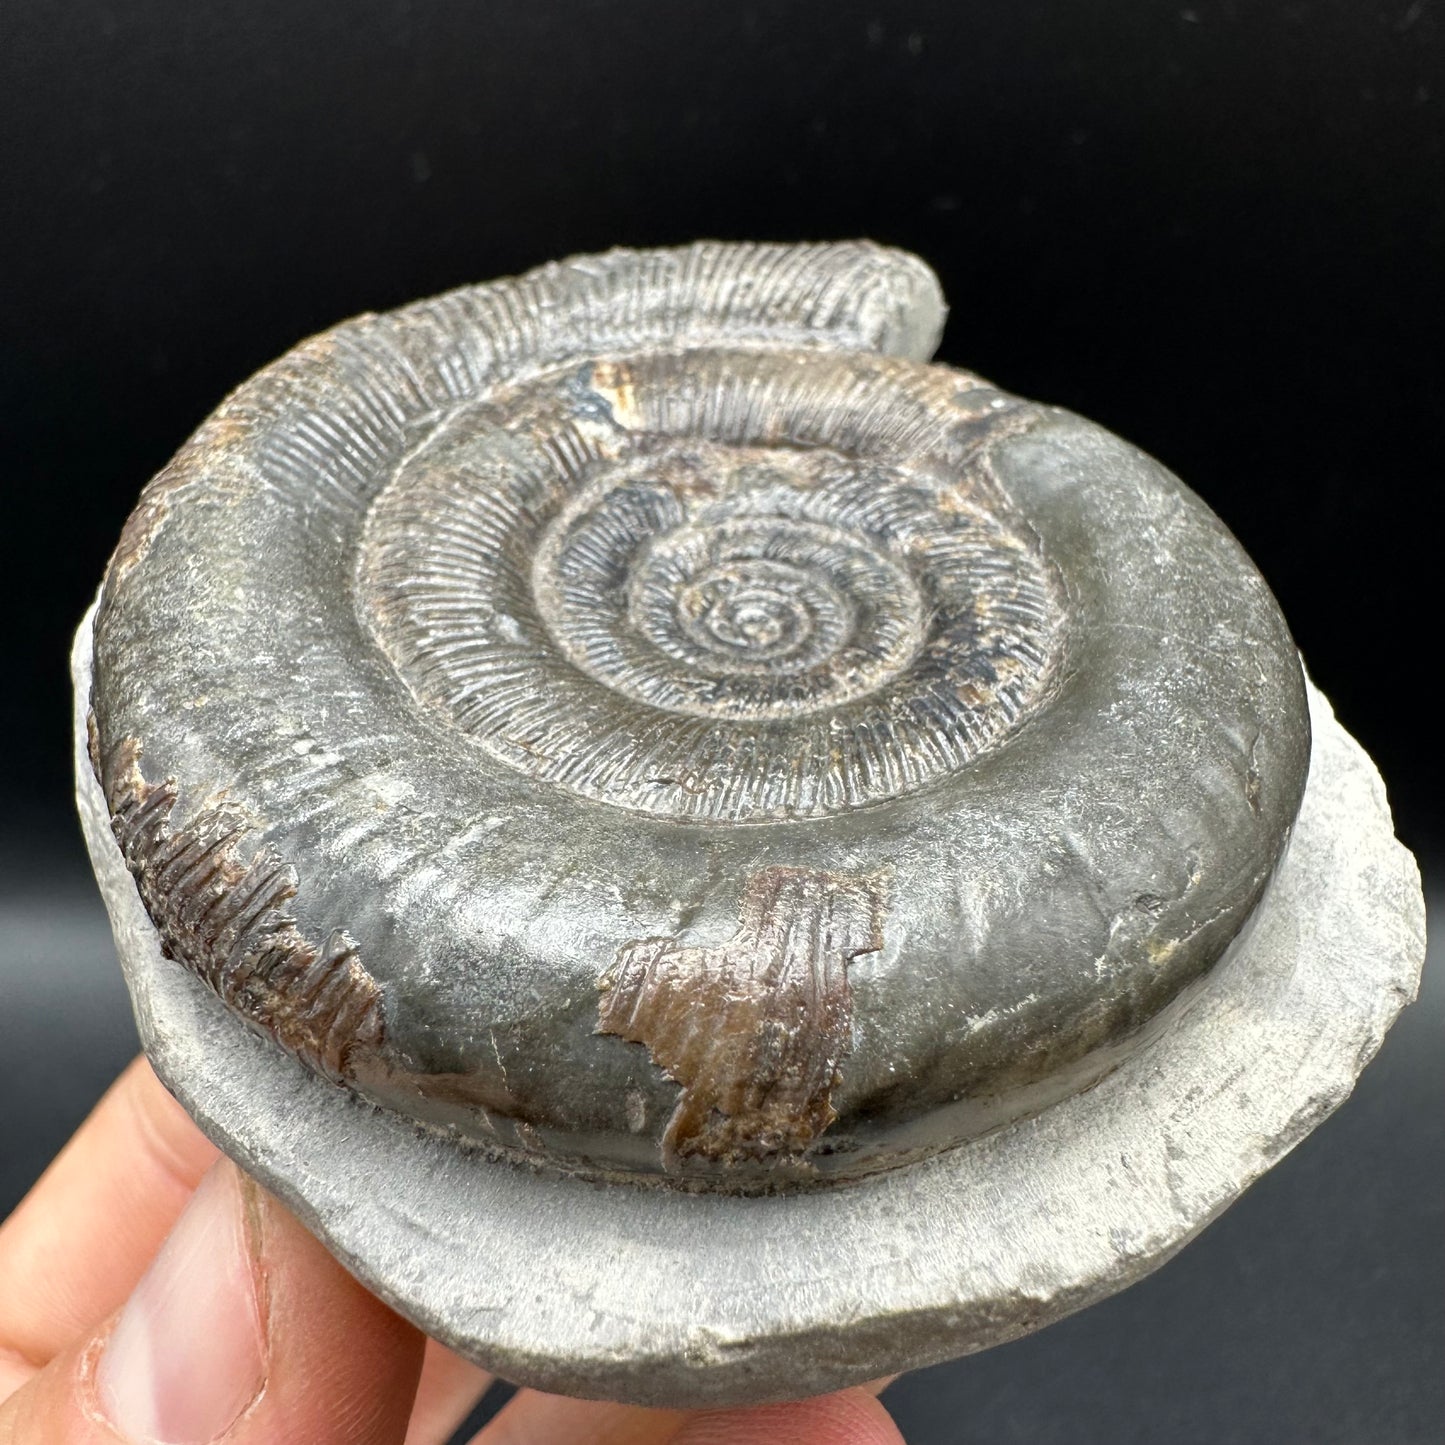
point(754, 1029)
point(612, 381)
point(220, 907)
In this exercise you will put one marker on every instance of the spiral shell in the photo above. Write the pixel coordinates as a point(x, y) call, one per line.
point(641, 716)
point(729, 585)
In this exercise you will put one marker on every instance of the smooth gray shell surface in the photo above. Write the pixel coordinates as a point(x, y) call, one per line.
point(642, 718)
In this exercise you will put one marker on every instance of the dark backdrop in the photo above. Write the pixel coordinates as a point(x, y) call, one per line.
point(1216, 227)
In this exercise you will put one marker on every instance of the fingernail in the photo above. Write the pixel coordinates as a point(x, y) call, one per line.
point(187, 1355)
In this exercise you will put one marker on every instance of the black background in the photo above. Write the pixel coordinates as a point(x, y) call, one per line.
point(1218, 228)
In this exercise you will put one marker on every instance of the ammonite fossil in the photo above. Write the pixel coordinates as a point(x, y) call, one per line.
point(709, 857)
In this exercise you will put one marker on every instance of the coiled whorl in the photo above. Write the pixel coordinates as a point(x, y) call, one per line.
point(641, 716)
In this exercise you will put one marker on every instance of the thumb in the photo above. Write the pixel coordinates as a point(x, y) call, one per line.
point(243, 1330)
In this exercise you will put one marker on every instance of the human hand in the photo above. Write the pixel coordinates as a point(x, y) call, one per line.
point(151, 1292)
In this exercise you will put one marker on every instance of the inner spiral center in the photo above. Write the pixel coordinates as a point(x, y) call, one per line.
point(751, 607)
point(749, 612)
point(717, 581)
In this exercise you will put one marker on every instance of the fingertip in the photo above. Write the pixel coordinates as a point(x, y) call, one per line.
point(447, 1392)
point(187, 1356)
point(78, 1242)
point(173, 1141)
point(56, 1406)
point(342, 1366)
point(848, 1417)
point(243, 1329)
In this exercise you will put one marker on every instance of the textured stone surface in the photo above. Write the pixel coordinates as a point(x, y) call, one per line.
point(474, 657)
point(665, 1297)
point(637, 725)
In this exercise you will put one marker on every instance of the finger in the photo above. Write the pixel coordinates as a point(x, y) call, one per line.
point(78, 1242)
point(449, 1390)
point(851, 1417)
point(534, 1418)
point(243, 1330)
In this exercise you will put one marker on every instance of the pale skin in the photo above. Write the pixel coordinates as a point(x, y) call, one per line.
point(150, 1292)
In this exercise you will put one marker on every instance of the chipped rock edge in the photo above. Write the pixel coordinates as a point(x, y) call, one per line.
point(664, 1298)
